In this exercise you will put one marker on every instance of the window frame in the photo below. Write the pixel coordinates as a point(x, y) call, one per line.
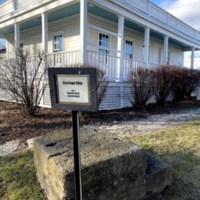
point(56, 34)
point(133, 45)
point(104, 48)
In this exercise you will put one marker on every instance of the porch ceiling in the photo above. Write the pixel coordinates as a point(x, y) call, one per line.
point(102, 13)
point(53, 16)
point(64, 12)
point(172, 41)
point(133, 25)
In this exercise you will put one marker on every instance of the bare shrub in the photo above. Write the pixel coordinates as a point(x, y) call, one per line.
point(175, 82)
point(186, 82)
point(164, 80)
point(102, 84)
point(141, 86)
point(23, 79)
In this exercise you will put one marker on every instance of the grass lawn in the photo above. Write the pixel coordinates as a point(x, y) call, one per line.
point(18, 179)
point(179, 146)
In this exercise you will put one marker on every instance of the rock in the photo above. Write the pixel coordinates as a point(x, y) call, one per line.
point(111, 168)
point(9, 147)
point(31, 141)
point(158, 175)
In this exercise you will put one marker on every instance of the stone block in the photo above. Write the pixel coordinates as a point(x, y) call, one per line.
point(111, 168)
point(158, 175)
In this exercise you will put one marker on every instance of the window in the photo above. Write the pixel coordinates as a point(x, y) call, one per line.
point(128, 54)
point(57, 48)
point(57, 43)
point(104, 45)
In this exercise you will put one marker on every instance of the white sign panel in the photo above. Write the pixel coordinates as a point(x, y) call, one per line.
point(73, 89)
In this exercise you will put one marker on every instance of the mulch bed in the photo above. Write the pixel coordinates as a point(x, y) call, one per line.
point(13, 126)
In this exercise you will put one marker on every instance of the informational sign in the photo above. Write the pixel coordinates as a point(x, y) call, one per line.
point(73, 88)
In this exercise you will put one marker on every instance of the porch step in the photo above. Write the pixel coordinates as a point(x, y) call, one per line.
point(112, 168)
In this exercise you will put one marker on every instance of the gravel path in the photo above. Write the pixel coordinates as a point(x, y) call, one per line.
point(128, 128)
point(149, 124)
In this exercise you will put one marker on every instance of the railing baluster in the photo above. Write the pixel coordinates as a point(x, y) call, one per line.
point(104, 62)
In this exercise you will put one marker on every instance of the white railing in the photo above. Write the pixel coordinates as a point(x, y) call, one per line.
point(6, 7)
point(9, 6)
point(64, 59)
point(131, 66)
point(151, 11)
point(23, 3)
point(107, 63)
point(110, 65)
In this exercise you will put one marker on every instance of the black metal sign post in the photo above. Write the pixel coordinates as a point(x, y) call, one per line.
point(77, 162)
point(74, 89)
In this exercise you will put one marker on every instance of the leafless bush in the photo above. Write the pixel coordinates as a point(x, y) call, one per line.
point(102, 84)
point(164, 80)
point(186, 82)
point(23, 79)
point(141, 86)
point(175, 82)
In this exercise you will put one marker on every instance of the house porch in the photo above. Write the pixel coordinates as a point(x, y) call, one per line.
point(116, 33)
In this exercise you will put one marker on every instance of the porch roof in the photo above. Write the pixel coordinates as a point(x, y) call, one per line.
point(74, 9)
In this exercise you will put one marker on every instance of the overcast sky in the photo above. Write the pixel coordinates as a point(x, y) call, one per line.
point(186, 10)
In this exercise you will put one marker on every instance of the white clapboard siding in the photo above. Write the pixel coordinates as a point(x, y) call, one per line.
point(117, 96)
point(112, 99)
point(4, 96)
point(46, 97)
point(127, 97)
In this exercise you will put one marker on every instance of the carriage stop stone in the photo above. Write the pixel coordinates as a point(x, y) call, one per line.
point(111, 168)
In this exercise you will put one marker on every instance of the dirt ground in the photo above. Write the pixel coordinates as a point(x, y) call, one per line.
point(13, 126)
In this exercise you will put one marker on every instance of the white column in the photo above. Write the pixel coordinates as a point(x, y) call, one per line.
point(165, 52)
point(44, 32)
point(7, 49)
point(120, 47)
point(146, 45)
point(17, 36)
point(192, 57)
point(83, 31)
point(14, 4)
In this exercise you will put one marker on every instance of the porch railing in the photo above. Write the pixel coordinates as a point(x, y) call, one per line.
point(107, 63)
point(150, 10)
point(9, 6)
point(64, 59)
point(110, 65)
point(6, 7)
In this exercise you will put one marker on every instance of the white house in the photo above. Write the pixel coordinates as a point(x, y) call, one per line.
point(114, 35)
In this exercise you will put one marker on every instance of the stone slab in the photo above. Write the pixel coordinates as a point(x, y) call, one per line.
point(112, 168)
